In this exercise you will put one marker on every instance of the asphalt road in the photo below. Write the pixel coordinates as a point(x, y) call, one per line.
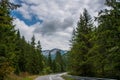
point(58, 77)
point(51, 77)
point(87, 78)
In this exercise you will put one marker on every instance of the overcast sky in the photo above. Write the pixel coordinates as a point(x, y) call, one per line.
point(52, 21)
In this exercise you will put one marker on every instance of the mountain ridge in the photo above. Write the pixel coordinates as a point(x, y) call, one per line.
point(53, 51)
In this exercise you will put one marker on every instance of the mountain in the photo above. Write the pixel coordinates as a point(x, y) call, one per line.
point(53, 52)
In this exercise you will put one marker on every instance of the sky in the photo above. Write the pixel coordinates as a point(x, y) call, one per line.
point(52, 21)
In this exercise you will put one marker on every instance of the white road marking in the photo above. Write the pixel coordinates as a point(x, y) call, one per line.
point(50, 78)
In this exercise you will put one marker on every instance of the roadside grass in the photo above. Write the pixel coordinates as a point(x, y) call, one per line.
point(66, 77)
point(15, 77)
point(29, 78)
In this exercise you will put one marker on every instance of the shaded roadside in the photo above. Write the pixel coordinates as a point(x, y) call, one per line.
point(70, 77)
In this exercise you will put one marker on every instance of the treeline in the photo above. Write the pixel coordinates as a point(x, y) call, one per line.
point(55, 64)
point(95, 51)
point(19, 56)
point(28, 56)
point(16, 55)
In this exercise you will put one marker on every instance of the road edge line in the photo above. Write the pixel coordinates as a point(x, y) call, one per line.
point(50, 78)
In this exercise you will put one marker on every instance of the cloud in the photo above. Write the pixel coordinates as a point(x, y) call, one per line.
point(47, 42)
point(96, 5)
point(25, 11)
point(58, 19)
point(25, 30)
point(50, 27)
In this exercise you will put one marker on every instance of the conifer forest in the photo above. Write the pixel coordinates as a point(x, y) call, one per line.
point(94, 48)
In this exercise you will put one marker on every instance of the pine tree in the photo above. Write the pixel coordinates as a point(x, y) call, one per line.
point(81, 46)
point(50, 61)
point(108, 35)
point(7, 38)
point(59, 62)
point(39, 58)
point(17, 52)
point(32, 57)
point(33, 41)
point(54, 66)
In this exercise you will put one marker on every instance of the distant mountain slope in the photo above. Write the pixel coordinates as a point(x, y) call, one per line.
point(53, 52)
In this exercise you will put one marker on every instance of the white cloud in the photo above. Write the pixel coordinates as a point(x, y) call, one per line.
point(25, 11)
point(59, 17)
point(25, 30)
point(58, 40)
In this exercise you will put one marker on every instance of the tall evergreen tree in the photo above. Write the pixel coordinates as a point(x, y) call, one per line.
point(50, 61)
point(108, 35)
point(59, 62)
point(7, 38)
point(33, 41)
point(81, 46)
point(16, 55)
point(39, 58)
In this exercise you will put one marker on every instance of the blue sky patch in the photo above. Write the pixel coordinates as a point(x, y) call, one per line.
point(29, 22)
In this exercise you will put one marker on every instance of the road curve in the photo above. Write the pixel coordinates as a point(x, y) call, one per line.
point(51, 77)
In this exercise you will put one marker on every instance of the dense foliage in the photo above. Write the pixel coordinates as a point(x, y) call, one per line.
point(16, 55)
point(81, 44)
point(95, 51)
point(57, 64)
